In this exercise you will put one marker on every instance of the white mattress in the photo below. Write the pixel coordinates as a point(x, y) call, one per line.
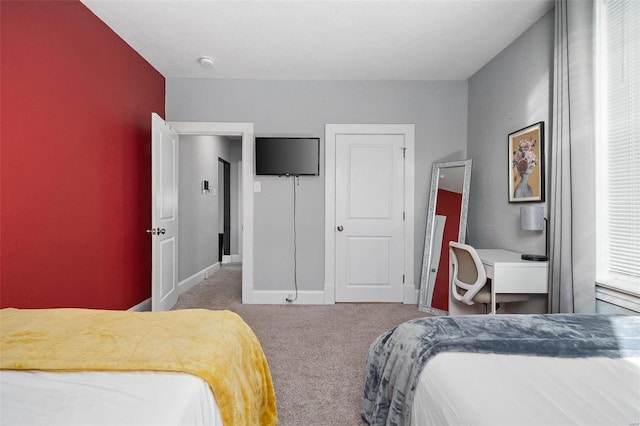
point(489, 389)
point(97, 398)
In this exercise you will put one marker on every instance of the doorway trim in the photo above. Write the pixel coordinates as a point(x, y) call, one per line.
point(331, 131)
point(245, 130)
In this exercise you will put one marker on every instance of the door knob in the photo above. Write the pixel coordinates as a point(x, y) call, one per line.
point(156, 231)
point(340, 228)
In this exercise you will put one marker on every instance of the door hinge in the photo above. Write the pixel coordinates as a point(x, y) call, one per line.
point(402, 278)
point(404, 152)
point(403, 216)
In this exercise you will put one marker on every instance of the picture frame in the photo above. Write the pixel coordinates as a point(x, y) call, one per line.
point(527, 164)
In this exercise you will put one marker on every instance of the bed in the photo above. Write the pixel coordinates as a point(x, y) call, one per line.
point(99, 367)
point(505, 370)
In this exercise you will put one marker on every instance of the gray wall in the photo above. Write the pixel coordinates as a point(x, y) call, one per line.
point(198, 222)
point(302, 108)
point(511, 92)
point(234, 156)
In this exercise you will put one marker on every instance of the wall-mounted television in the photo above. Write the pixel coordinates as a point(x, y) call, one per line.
point(283, 156)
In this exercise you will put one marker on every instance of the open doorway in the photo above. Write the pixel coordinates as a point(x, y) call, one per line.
point(204, 201)
point(241, 138)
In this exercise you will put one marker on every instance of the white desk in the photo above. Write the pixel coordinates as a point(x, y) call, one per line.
point(509, 274)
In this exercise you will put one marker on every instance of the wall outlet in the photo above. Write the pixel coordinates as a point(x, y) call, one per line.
point(206, 275)
point(289, 298)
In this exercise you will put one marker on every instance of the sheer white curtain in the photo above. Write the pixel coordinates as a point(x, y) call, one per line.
point(572, 160)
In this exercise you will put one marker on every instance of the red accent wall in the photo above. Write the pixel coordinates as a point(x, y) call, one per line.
point(449, 204)
point(75, 160)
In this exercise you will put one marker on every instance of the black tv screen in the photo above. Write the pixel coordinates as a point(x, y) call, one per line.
point(287, 156)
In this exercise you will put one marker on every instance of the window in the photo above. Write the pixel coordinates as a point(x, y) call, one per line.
point(618, 145)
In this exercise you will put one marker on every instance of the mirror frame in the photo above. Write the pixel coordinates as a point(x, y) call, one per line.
point(462, 229)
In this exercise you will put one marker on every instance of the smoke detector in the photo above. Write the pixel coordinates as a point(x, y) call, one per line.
point(206, 62)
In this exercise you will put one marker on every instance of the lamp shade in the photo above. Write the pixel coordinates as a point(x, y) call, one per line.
point(532, 218)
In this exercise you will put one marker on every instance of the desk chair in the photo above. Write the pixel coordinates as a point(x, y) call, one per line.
point(469, 279)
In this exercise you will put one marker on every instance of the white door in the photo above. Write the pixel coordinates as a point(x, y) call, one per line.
point(164, 214)
point(369, 239)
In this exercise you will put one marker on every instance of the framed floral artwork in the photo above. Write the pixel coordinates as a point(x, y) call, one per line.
point(526, 164)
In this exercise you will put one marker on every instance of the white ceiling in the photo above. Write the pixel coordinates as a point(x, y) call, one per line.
point(320, 40)
point(452, 179)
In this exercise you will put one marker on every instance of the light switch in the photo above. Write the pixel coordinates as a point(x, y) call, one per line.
point(257, 187)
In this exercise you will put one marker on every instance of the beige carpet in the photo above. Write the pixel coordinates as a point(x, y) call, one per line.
point(316, 352)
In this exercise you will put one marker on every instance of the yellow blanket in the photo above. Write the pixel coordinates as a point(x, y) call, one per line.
point(217, 346)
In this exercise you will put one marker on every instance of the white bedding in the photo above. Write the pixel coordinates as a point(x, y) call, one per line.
point(490, 389)
point(100, 398)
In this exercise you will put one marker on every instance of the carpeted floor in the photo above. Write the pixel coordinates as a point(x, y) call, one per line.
point(315, 352)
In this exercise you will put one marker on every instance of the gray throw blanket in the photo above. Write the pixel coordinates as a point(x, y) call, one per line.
point(396, 358)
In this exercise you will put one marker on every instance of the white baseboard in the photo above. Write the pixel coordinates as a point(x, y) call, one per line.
point(183, 286)
point(231, 258)
point(277, 297)
point(199, 276)
point(143, 306)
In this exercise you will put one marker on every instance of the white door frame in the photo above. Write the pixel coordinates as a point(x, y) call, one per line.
point(245, 130)
point(331, 130)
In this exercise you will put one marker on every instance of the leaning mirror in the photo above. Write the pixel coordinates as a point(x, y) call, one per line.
point(446, 221)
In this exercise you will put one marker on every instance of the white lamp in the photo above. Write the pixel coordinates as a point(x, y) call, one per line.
point(532, 219)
